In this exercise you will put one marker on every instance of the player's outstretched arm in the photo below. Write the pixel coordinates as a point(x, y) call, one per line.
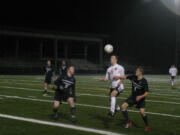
point(142, 96)
point(103, 79)
point(120, 77)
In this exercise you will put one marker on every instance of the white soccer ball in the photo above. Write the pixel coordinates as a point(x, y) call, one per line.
point(108, 48)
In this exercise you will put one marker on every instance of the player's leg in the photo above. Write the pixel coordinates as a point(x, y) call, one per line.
point(46, 83)
point(55, 109)
point(45, 88)
point(114, 93)
point(72, 108)
point(119, 89)
point(128, 103)
point(125, 114)
point(145, 119)
point(172, 81)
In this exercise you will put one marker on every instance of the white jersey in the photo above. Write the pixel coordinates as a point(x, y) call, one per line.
point(116, 70)
point(173, 71)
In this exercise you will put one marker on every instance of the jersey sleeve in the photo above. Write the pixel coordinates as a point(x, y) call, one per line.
point(107, 75)
point(53, 72)
point(131, 77)
point(122, 71)
point(58, 81)
point(169, 71)
point(146, 88)
point(73, 88)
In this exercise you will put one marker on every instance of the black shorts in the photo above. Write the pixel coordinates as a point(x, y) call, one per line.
point(173, 77)
point(132, 101)
point(48, 79)
point(61, 96)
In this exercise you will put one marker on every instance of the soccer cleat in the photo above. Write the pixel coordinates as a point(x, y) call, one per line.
point(55, 116)
point(45, 93)
point(128, 125)
point(117, 109)
point(112, 114)
point(73, 118)
point(147, 128)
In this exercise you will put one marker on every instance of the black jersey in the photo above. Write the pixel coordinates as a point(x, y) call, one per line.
point(139, 87)
point(66, 84)
point(49, 71)
point(63, 69)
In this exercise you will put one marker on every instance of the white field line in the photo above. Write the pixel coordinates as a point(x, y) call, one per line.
point(157, 91)
point(100, 84)
point(86, 105)
point(87, 82)
point(85, 129)
point(85, 94)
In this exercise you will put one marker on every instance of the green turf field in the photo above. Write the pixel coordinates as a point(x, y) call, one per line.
point(21, 97)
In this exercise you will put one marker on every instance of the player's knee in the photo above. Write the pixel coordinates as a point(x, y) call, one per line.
point(124, 106)
point(56, 104)
point(71, 101)
point(113, 93)
point(142, 112)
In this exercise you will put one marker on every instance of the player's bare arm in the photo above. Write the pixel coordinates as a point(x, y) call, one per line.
point(103, 79)
point(142, 96)
point(120, 77)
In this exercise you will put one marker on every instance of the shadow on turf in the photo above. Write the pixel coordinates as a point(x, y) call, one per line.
point(61, 116)
point(107, 120)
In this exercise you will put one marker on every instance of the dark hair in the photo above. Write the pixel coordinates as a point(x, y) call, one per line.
point(115, 56)
point(141, 69)
point(69, 66)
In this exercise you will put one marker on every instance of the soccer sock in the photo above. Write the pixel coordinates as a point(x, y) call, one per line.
point(55, 110)
point(118, 108)
point(172, 82)
point(145, 119)
point(73, 111)
point(45, 89)
point(125, 114)
point(113, 103)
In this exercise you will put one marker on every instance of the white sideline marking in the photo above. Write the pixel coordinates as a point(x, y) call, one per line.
point(84, 94)
point(59, 125)
point(86, 105)
point(156, 91)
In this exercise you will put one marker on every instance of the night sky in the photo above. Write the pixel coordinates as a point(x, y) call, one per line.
point(143, 30)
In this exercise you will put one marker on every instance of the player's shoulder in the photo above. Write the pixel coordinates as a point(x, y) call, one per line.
point(144, 80)
point(120, 66)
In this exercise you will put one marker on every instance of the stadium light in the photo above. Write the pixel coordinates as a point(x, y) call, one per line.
point(172, 5)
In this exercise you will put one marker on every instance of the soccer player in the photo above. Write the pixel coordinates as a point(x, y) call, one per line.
point(173, 73)
point(139, 92)
point(116, 85)
point(65, 92)
point(48, 77)
point(63, 68)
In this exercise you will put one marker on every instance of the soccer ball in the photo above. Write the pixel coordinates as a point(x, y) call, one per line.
point(108, 48)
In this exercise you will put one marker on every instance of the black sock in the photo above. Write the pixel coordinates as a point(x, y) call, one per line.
point(145, 119)
point(55, 110)
point(73, 110)
point(125, 114)
point(45, 90)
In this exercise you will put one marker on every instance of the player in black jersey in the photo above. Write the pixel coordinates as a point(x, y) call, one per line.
point(63, 68)
point(65, 91)
point(139, 92)
point(48, 77)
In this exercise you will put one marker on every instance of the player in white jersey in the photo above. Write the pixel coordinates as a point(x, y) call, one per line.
point(116, 86)
point(173, 73)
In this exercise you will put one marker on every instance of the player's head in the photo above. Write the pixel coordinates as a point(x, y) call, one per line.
point(114, 59)
point(71, 70)
point(139, 71)
point(63, 62)
point(172, 66)
point(49, 63)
